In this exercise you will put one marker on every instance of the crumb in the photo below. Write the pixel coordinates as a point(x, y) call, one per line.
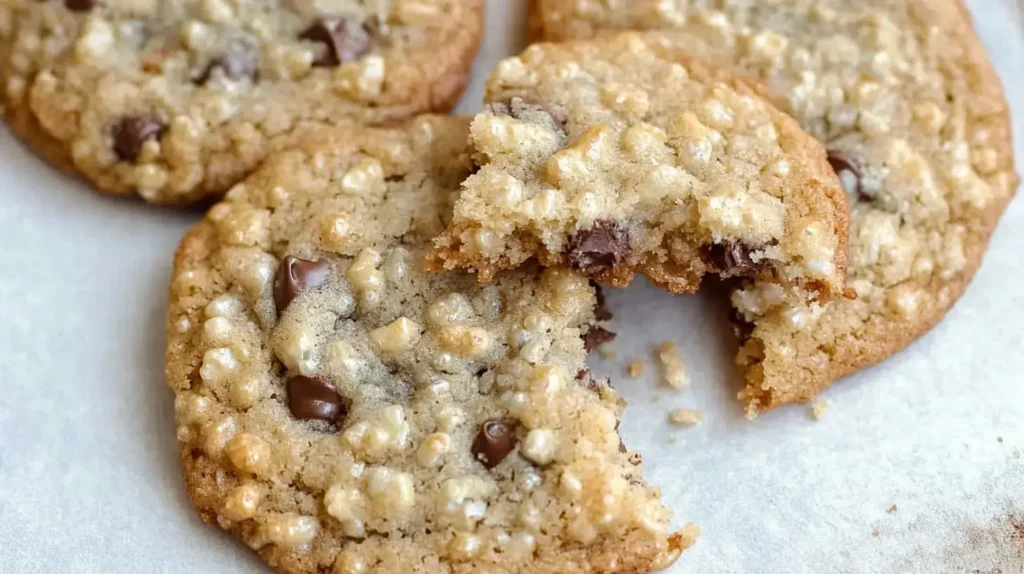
point(673, 439)
point(685, 417)
point(674, 368)
point(999, 439)
point(636, 368)
point(875, 532)
point(892, 509)
point(607, 354)
point(656, 398)
point(819, 408)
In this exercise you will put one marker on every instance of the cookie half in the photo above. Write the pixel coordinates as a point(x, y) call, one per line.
point(177, 101)
point(624, 156)
point(916, 123)
point(341, 410)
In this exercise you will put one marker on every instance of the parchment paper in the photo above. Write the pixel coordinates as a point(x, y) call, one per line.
point(915, 467)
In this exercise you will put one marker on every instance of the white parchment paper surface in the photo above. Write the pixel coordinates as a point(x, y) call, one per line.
point(915, 467)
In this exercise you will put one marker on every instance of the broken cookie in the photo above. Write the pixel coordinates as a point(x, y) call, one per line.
point(342, 410)
point(624, 156)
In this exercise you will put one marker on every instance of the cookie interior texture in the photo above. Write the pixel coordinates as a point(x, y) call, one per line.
point(177, 101)
point(902, 94)
point(624, 156)
point(341, 410)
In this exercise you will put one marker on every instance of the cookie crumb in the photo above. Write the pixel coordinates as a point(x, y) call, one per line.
point(690, 531)
point(892, 509)
point(636, 368)
point(685, 417)
point(818, 409)
point(673, 366)
point(607, 354)
point(875, 532)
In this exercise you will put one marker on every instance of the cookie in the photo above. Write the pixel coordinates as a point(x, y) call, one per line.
point(341, 410)
point(905, 99)
point(177, 101)
point(624, 156)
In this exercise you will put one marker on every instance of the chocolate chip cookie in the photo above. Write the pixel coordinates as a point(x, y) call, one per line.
point(625, 156)
point(177, 101)
point(903, 95)
point(341, 410)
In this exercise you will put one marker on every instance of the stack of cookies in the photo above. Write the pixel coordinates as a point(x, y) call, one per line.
point(377, 336)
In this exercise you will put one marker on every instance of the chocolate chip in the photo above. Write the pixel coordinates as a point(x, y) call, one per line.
point(595, 337)
point(295, 276)
point(732, 259)
point(496, 439)
point(314, 398)
point(345, 42)
point(597, 248)
point(80, 5)
point(132, 132)
point(237, 64)
point(601, 311)
point(842, 163)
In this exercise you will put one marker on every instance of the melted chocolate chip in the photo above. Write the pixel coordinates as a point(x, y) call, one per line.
point(345, 42)
point(842, 163)
point(236, 64)
point(314, 398)
point(595, 337)
point(295, 276)
point(601, 311)
point(597, 248)
point(80, 5)
point(132, 132)
point(732, 259)
point(494, 442)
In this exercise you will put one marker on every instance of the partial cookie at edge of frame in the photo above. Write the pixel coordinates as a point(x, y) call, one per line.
point(216, 118)
point(959, 137)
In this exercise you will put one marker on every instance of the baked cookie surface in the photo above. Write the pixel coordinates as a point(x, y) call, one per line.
point(622, 156)
point(341, 410)
point(903, 95)
point(177, 101)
